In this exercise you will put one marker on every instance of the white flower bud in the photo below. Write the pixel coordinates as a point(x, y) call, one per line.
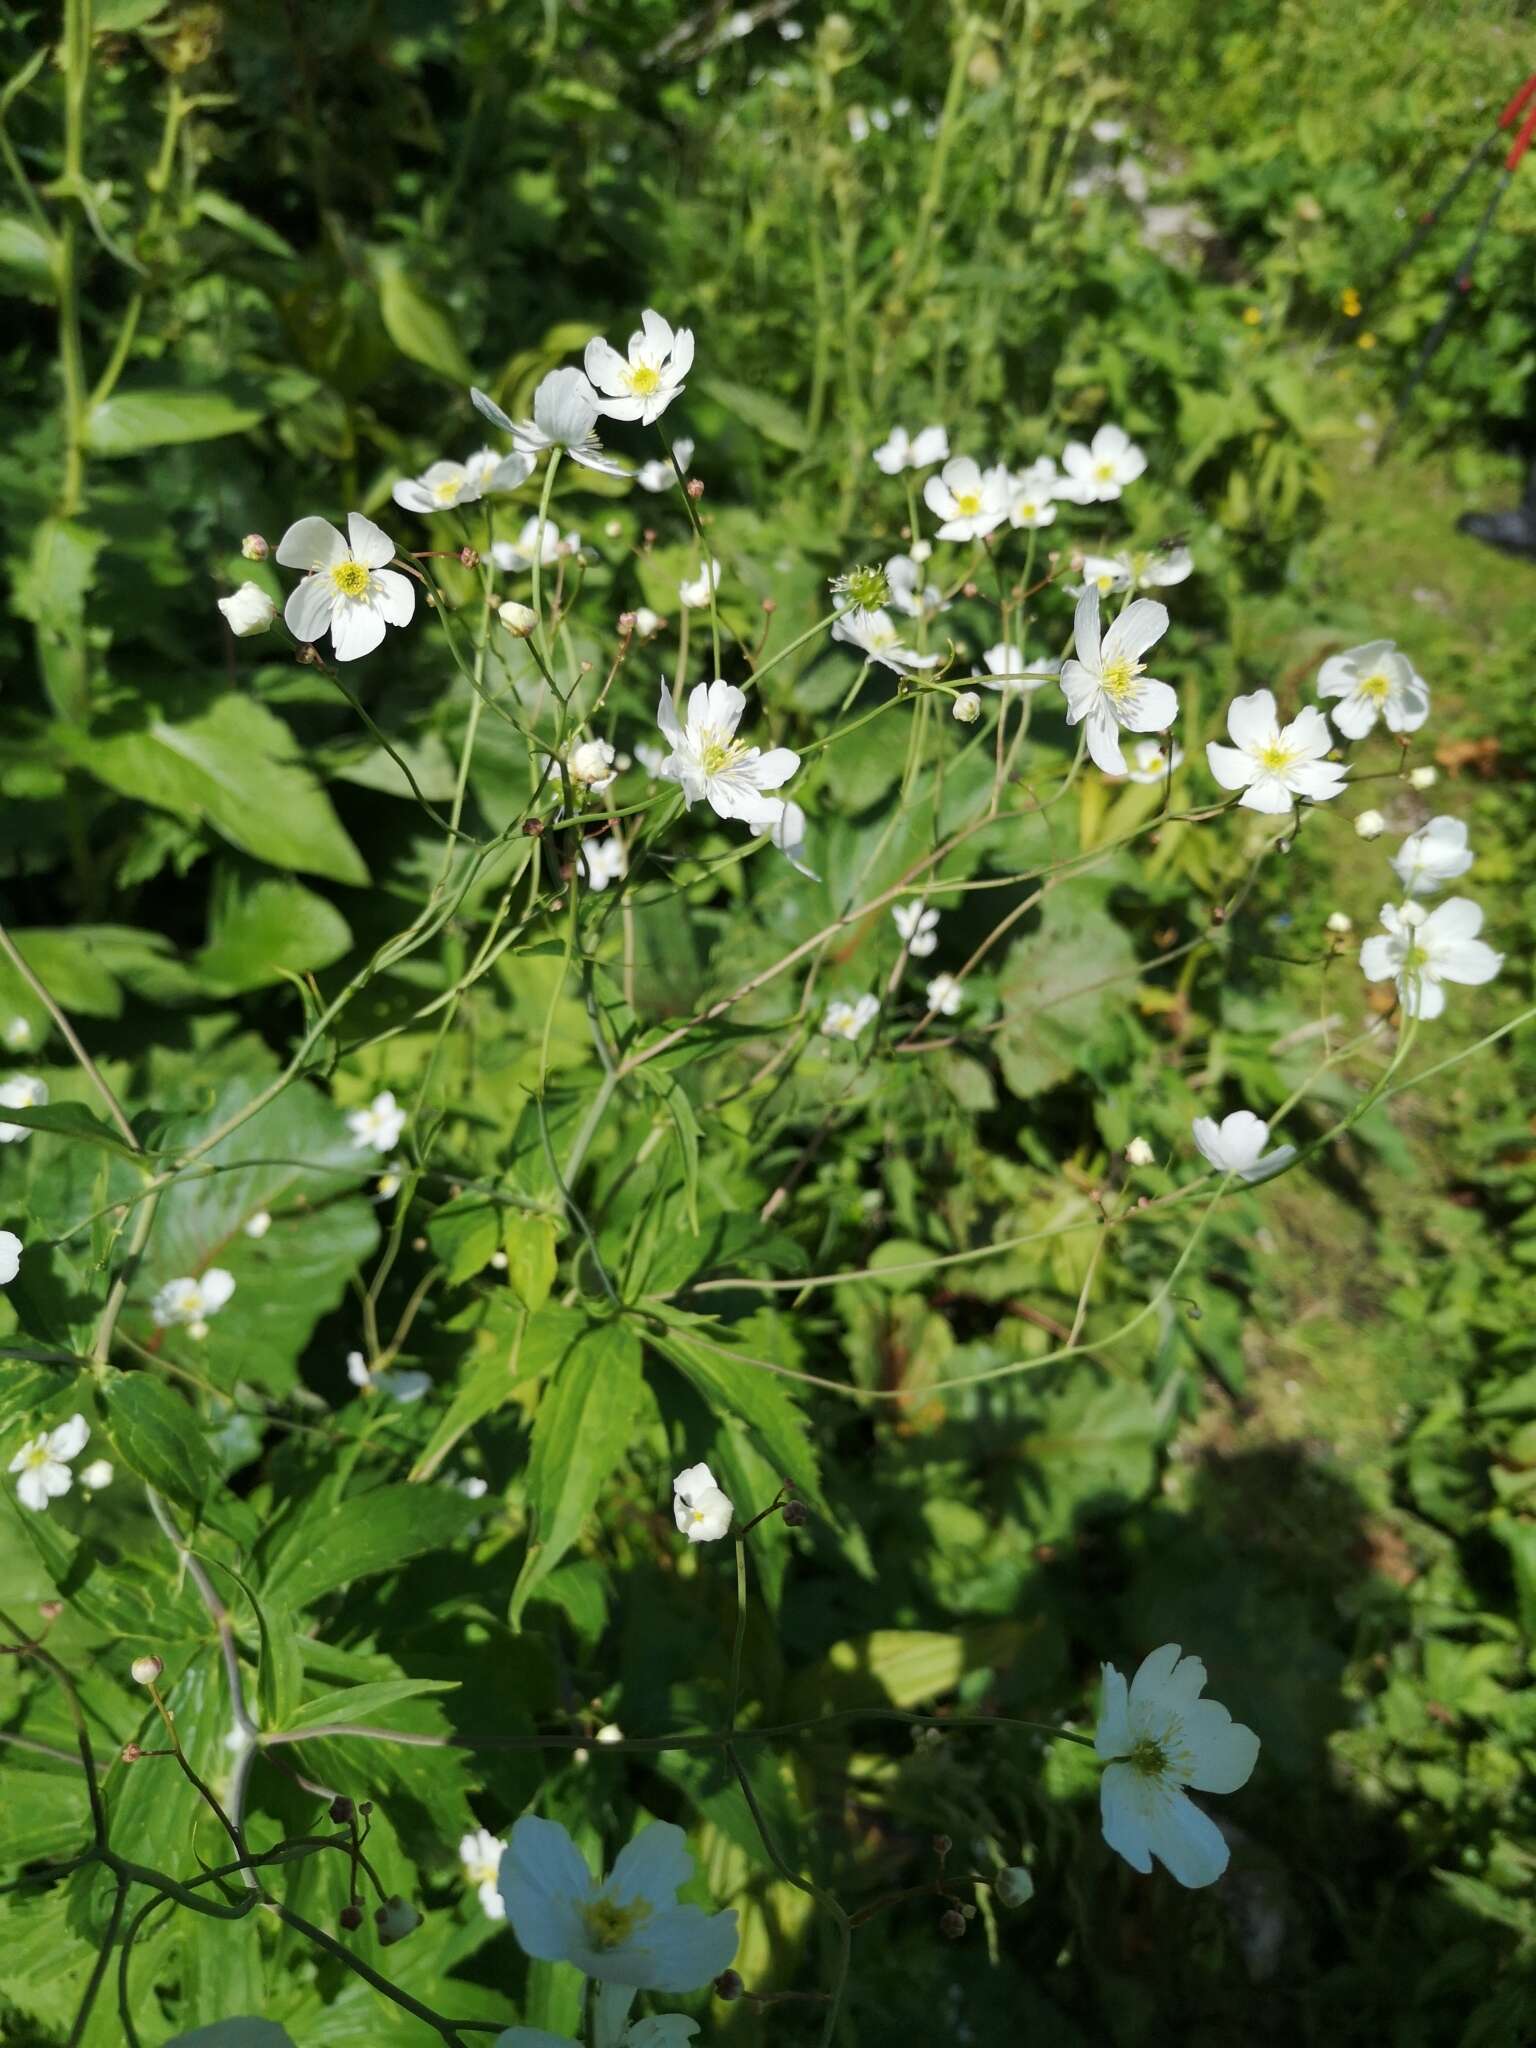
point(518, 619)
point(1424, 778)
point(1370, 825)
point(1014, 1886)
point(920, 551)
point(966, 707)
point(254, 548)
point(249, 611)
point(97, 1476)
point(395, 1920)
point(146, 1670)
point(259, 1224)
point(1138, 1153)
point(1340, 921)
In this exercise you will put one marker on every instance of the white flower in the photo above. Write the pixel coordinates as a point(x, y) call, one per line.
point(22, 1091)
point(920, 551)
point(1004, 668)
point(604, 860)
point(847, 1020)
point(248, 611)
point(493, 472)
point(917, 926)
point(43, 1464)
point(1371, 682)
point(879, 637)
point(1236, 1145)
point(446, 484)
point(189, 1302)
point(1032, 494)
point(966, 707)
point(1101, 470)
point(970, 503)
point(1434, 855)
point(481, 1854)
point(1422, 948)
point(1370, 825)
point(349, 594)
point(1160, 568)
point(10, 1257)
point(627, 1929)
point(657, 475)
point(1108, 574)
point(520, 620)
point(1107, 684)
point(1151, 761)
point(1273, 764)
point(908, 592)
point(858, 125)
point(1139, 1153)
point(1339, 922)
point(590, 764)
point(925, 448)
point(17, 1033)
point(97, 1476)
point(788, 835)
point(702, 1512)
point(694, 594)
point(643, 386)
point(652, 759)
point(945, 995)
point(388, 1182)
point(1157, 1739)
point(403, 1387)
point(379, 1125)
point(512, 556)
point(259, 1224)
point(1423, 778)
point(565, 409)
point(708, 761)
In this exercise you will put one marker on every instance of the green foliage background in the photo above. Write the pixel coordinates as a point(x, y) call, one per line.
point(263, 254)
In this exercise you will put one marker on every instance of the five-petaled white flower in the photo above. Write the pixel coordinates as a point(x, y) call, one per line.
point(1099, 471)
point(842, 1019)
point(349, 593)
point(945, 995)
point(918, 926)
point(969, 501)
point(397, 1386)
point(187, 1303)
point(248, 610)
point(1032, 495)
point(700, 1509)
point(1420, 949)
point(625, 1929)
point(908, 592)
point(707, 760)
point(513, 555)
point(604, 860)
point(693, 593)
point(1273, 764)
point(1236, 1145)
point(1434, 855)
point(920, 451)
point(1107, 685)
point(1152, 761)
point(379, 1125)
point(657, 475)
point(10, 1257)
point(442, 485)
point(43, 1464)
point(590, 764)
point(878, 636)
point(1371, 682)
point(1108, 574)
point(481, 1854)
point(643, 386)
point(22, 1091)
point(1157, 1739)
point(565, 409)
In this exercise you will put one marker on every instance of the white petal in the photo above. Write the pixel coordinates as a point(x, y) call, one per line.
point(1103, 735)
point(370, 544)
point(1187, 1841)
point(356, 629)
point(1112, 1737)
point(1154, 707)
point(543, 1882)
point(489, 409)
point(310, 544)
point(70, 1438)
point(1354, 716)
point(1122, 1818)
point(1252, 720)
point(1140, 626)
point(1468, 961)
point(1085, 631)
point(656, 1864)
point(686, 1947)
point(395, 596)
point(1230, 768)
point(1378, 958)
point(1225, 1752)
point(774, 768)
point(414, 496)
point(307, 614)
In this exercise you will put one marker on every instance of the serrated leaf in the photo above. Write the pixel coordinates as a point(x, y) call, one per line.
point(529, 1243)
point(756, 1399)
point(364, 1702)
point(326, 1547)
point(157, 1436)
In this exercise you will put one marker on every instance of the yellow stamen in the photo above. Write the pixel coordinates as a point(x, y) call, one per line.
point(446, 491)
point(1377, 686)
point(1119, 677)
point(968, 504)
point(609, 1925)
point(350, 578)
point(644, 379)
point(717, 753)
point(1274, 757)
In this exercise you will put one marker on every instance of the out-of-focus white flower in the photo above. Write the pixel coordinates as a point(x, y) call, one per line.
point(627, 1929)
point(388, 1182)
point(17, 1033)
point(647, 622)
point(920, 451)
point(379, 1125)
point(42, 1465)
point(1101, 469)
point(1434, 855)
point(1236, 1145)
point(512, 556)
point(1139, 1153)
point(1423, 778)
point(657, 475)
point(1420, 949)
point(906, 590)
point(641, 385)
point(481, 1854)
point(1159, 1739)
point(945, 994)
point(652, 759)
point(858, 125)
point(969, 502)
point(604, 860)
point(918, 926)
point(1161, 568)
point(791, 31)
point(403, 1387)
point(22, 1091)
point(10, 1256)
point(1013, 1886)
point(1032, 494)
point(878, 636)
point(707, 760)
point(1004, 668)
point(1371, 682)
point(443, 485)
point(187, 1303)
point(249, 610)
point(1339, 922)
point(349, 593)
point(788, 835)
point(520, 620)
point(259, 1224)
point(1151, 760)
point(493, 472)
point(565, 409)
point(966, 707)
point(590, 764)
point(1370, 825)
point(843, 1019)
point(700, 1509)
point(97, 1476)
point(1108, 574)
point(694, 592)
point(1273, 764)
point(1107, 686)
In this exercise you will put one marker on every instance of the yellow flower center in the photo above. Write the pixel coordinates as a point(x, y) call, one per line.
point(447, 490)
point(716, 753)
point(1275, 758)
point(1148, 1757)
point(1028, 509)
point(36, 1456)
point(350, 578)
point(968, 504)
point(610, 1925)
point(1377, 686)
point(1105, 472)
point(1119, 677)
point(644, 378)
point(1415, 960)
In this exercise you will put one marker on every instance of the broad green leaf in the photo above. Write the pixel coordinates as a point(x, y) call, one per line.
point(364, 1702)
point(129, 422)
point(325, 1547)
point(235, 765)
point(529, 1243)
point(265, 932)
point(766, 415)
point(464, 1234)
point(26, 1388)
point(70, 1120)
point(582, 1430)
point(418, 326)
point(27, 257)
point(512, 1348)
point(1058, 987)
point(157, 1436)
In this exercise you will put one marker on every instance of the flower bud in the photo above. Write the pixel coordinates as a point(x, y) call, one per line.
point(1340, 921)
point(146, 1670)
point(942, 1844)
point(966, 707)
point(952, 1924)
point(1013, 1886)
point(614, 529)
point(249, 611)
point(728, 1985)
point(1138, 1153)
point(1370, 825)
point(50, 1610)
point(796, 1514)
point(131, 1752)
point(518, 619)
point(469, 558)
point(395, 1920)
point(695, 488)
point(351, 1916)
point(920, 551)
point(342, 1808)
point(254, 548)
point(1424, 778)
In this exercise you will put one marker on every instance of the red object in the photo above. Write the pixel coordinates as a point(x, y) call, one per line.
point(1522, 141)
point(1512, 112)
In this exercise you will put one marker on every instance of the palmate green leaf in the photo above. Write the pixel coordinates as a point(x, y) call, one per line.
point(583, 1428)
point(130, 422)
point(236, 766)
point(324, 1547)
point(267, 931)
point(158, 1436)
point(512, 1348)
